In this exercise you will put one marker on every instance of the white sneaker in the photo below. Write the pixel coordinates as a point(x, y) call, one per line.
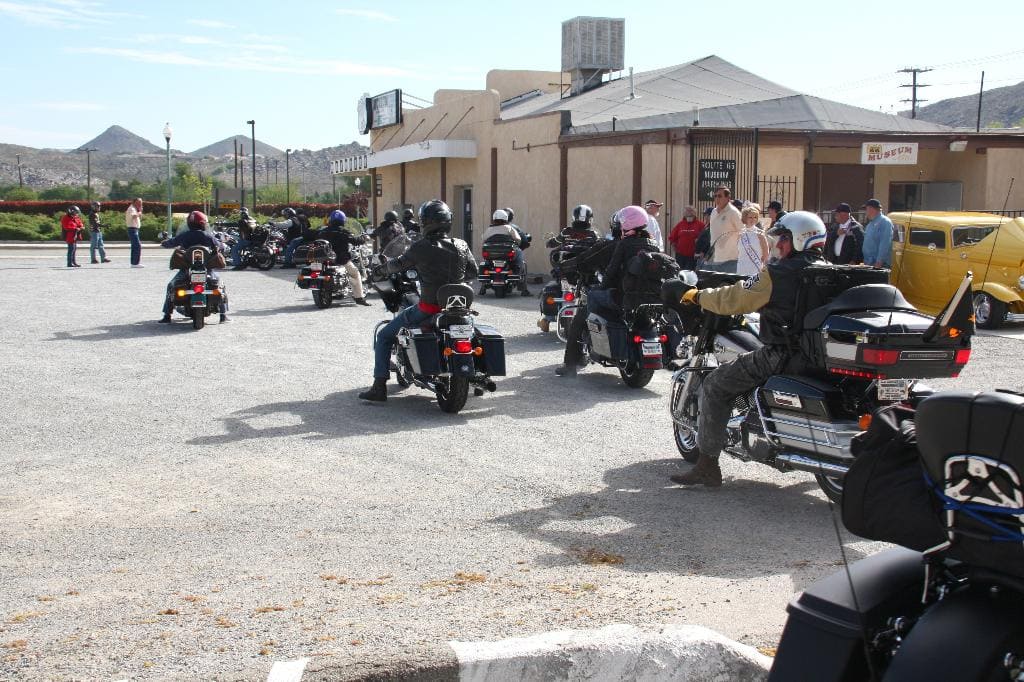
point(138, 265)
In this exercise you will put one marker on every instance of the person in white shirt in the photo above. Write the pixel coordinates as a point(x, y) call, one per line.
point(133, 221)
point(725, 220)
point(845, 238)
point(753, 247)
point(653, 208)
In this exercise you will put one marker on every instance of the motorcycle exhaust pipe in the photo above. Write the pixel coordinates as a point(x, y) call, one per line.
point(814, 466)
point(491, 386)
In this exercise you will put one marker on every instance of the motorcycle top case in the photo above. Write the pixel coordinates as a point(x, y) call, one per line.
point(318, 250)
point(493, 344)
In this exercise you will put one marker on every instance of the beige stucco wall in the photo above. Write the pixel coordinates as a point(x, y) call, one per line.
point(785, 162)
point(602, 178)
point(1003, 164)
point(510, 83)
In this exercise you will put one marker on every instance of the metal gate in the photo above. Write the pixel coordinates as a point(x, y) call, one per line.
point(723, 158)
point(780, 188)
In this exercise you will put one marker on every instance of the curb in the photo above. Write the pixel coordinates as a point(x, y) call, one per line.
point(610, 654)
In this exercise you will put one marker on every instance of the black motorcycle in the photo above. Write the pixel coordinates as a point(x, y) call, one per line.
point(566, 296)
point(198, 293)
point(320, 274)
point(865, 347)
point(451, 352)
point(265, 245)
point(949, 604)
point(497, 271)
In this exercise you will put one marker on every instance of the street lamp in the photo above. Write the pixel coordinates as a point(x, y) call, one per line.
point(253, 124)
point(287, 178)
point(88, 170)
point(167, 136)
point(358, 182)
point(20, 183)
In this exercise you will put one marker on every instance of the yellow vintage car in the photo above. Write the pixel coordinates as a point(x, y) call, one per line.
point(933, 250)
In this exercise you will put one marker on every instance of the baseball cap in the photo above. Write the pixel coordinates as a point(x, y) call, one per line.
point(777, 205)
point(874, 203)
point(843, 207)
point(652, 202)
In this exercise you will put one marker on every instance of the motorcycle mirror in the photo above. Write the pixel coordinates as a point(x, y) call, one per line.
point(689, 277)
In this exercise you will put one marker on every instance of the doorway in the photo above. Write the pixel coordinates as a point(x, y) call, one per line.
point(827, 184)
point(463, 210)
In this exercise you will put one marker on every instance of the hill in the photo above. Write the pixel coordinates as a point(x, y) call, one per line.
point(227, 146)
point(1000, 108)
point(118, 140)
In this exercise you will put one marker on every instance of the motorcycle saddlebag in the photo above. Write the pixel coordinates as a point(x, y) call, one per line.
point(823, 640)
point(806, 414)
point(551, 291)
point(608, 337)
point(427, 358)
point(493, 344)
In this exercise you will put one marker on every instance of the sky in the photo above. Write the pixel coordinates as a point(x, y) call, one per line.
point(74, 67)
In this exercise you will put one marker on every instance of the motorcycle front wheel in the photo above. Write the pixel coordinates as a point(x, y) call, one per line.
point(684, 433)
point(265, 261)
point(452, 394)
point(635, 376)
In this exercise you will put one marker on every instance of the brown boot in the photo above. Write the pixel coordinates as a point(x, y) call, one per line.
point(705, 472)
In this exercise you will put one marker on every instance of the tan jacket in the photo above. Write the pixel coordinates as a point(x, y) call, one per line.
point(747, 296)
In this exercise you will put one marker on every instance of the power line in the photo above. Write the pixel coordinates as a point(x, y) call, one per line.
point(914, 85)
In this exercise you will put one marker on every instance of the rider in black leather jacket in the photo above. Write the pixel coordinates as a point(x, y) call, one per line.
point(439, 259)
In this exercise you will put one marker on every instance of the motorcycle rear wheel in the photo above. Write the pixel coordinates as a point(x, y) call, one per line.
point(403, 374)
point(198, 318)
point(685, 438)
point(500, 291)
point(265, 261)
point(832, 487)
point(452, 394)
point(322, 298)
point(635, 376)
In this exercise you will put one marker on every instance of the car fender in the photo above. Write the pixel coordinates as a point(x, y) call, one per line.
point(1000, 291)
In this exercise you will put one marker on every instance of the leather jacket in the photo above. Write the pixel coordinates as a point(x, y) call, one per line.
point(341, 239)
point(439, 260)
point(625, 249)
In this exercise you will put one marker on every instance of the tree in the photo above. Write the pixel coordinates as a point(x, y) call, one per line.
point(64, 193)
point(19, 194)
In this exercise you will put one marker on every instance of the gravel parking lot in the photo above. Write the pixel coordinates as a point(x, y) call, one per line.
point(183, 504)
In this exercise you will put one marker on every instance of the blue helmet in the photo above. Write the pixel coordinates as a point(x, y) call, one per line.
point(337, 218)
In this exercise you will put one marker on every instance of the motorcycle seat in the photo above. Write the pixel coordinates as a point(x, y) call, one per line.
point(863, 297)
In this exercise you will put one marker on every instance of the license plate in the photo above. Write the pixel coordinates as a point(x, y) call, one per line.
point(651, 350)
point(199, 278)
point(316, 267)
point(499, 263)
point(568, 312)
point(893, 390)
point(461, 331)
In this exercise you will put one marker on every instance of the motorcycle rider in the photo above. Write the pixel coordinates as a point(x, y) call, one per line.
point(412, 228)
point(773, 292)
point(292, 226)
point(440, 259)
point(245, 225)
point(502, 227)
point(341, 239)
point(196, 235)
point(630, 224)
point(581, 228)
point(389, 228)
point(96, 234)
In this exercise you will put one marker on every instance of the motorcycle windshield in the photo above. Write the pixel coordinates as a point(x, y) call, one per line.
point(396, 247)
point(746, 252)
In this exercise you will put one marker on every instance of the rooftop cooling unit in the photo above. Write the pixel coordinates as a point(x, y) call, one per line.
point(592, 47)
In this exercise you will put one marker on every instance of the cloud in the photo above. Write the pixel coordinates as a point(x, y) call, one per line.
point(147, 56)
point(366, 14)
point(60, 13)
point(209, 23)
point(71, 106)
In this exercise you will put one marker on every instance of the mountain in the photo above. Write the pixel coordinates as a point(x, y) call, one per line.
point(1000, 108)
point(227, 146)
point(117, 140)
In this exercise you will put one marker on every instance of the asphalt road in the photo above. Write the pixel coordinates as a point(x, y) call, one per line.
point(183, 504)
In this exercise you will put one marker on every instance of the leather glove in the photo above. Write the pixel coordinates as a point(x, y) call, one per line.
point(690, 297)
point(379, 271)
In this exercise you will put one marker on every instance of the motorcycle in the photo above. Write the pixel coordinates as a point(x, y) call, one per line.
point(564, 297)
point(496, 270)
point(864, 345)
point(198, 293)
point(320, 274)
point(265, 245)
point(362, 258)
point(949, 611)
point(451, 352)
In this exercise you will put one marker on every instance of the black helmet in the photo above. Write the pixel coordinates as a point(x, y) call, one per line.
point(583, 214)
point(196, 220)
point(73, 210)
point(288, 213)
point(436, 217)
point(391, 217)
point(244, 213)
point(511, 213)
point(408, 214)
point(95, 205)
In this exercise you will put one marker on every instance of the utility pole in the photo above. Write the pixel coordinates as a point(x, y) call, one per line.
point(914, 85)
point(287, 178)
point(236, 162)
point(276, 162)
point(981, 93)
point(88, 170)
point(20, 182)
point(253, 124)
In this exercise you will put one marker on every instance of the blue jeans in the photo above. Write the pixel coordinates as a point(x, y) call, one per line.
point(385, 341)
point(133, 237)
point(236, 258)
point(72, 248)
point(96, 244)
point(289, 250)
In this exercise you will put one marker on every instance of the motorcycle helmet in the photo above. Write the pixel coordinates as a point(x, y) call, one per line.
point(391, 217)
point(435, 217)
point(337, 218)
point(196, 220)
point(73, 210)
point(614, 227)
point(288, 213)
point(631, 219)
point(95, 205)
point(408, 214)
point(803, 227)
point(244, 213)
point(583, 214)
point(511, 213)
point(500, 217)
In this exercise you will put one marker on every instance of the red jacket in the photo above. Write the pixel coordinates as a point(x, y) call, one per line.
point(71, 226)
point(684, 236)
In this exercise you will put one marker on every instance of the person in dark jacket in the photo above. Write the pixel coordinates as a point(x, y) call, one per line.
point(389, 228)
point(96, 235)
point(412, 228)
point(845, 238)
point(341, 239)
point(439, 259)
point(773, 292)
point(196, 235)
point(606, 301)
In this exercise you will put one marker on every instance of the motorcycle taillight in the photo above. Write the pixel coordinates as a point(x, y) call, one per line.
point(463, 346)
point(487, 254)
point(511, 255)
point(197, 289)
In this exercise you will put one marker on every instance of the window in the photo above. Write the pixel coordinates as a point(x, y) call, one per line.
point(923, 237)
point(925, 196)
point(969, 235)
point(899, 233)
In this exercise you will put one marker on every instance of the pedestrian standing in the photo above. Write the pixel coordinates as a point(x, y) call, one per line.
point(71, 228)
point(653, 208)
point(684, 238)
point(133, 221)
point(845, 240)
point(775, 212)
point(877, 247)
point(753, 244)
point(96, 235)
point(726, 225)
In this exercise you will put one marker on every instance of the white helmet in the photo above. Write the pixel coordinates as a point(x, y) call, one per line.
point(805, 228)
point(501, 215)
